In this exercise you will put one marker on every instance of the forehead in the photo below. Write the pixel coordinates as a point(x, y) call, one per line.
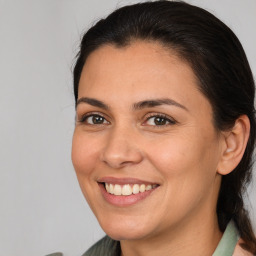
point(141, 54)
point(138, 71)
point(139, 62)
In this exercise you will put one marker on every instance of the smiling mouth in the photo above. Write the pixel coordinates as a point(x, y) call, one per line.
point(128, 189)
point(124, 192)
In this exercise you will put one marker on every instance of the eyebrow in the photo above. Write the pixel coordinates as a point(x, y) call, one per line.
point(157, 102)
point(136, 106)
point(92, 102)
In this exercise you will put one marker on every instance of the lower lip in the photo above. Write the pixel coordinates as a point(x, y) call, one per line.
point(124, 200)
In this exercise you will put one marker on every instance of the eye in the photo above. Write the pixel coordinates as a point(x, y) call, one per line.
point(159, 120)
point(94, 119)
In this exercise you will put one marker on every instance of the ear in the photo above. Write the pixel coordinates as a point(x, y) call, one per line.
point(234, 145)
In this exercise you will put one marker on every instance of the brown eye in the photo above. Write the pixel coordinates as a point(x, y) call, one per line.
point(159, 121)
point(97, 120)
point(94, 120)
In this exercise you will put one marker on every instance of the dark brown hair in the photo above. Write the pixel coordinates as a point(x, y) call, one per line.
point(224, 76)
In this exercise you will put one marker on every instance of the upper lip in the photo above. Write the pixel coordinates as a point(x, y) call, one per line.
point(123, 181)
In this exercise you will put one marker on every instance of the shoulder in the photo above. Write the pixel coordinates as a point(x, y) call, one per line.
point(239, 251)
point(105, 247)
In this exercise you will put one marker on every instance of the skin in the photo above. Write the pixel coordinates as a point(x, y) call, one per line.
point(185, 155)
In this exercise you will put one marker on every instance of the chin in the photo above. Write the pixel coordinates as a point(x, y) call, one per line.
point(125, 230)
point(125, 234)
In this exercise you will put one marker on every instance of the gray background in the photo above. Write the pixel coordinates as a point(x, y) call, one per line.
point(41, 207)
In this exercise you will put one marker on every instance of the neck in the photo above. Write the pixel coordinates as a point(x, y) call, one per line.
point(199, 237)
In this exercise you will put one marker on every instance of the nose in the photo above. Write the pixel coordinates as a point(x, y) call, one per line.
point(121, 149)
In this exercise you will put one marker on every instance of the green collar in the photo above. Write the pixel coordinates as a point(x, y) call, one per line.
point(228, 241)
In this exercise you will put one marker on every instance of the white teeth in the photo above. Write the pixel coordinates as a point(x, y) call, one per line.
point(148, 187)
point(111, 189)
point(107, 187)
point(117, 190)
point(135, 189)
point(126, 190)
point(142, 188)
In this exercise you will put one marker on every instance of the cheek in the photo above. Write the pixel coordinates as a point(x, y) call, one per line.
point(85, 157)
point(174, 155)
point(188, 148)
point(186, 163)
point(188, 177)
point(84, 153)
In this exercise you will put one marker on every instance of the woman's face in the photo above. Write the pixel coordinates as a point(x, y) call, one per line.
point(144, 131)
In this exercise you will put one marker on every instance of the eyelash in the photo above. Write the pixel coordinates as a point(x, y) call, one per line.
point(165, 118)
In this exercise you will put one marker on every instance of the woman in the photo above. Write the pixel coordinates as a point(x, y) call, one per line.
point(165, 131)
